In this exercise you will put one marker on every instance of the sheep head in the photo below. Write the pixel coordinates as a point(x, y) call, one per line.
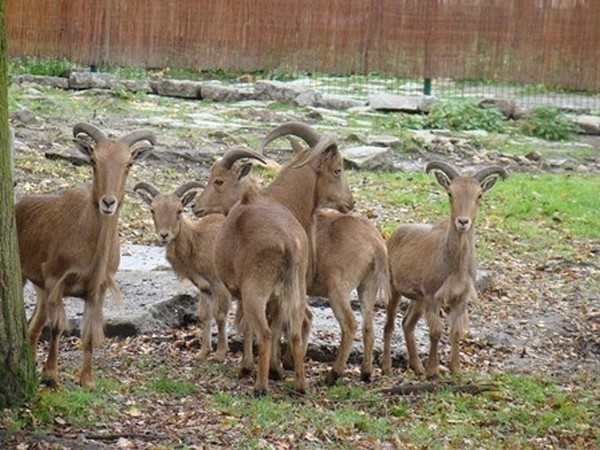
point(324, 157)
point(227, 182)
point(167, 208)
point(110, 160)
point(464, 192)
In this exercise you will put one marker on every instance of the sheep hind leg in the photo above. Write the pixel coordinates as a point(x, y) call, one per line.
point(388, 332)
point(298, 348)
point(255, 316)
point(288, 359)
point(339, 300)
point(413, 314)
point(367, 295)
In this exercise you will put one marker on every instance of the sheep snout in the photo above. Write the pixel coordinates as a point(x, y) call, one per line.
point(463, 224)
point(108, 205)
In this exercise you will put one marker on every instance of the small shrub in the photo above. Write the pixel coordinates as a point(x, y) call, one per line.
point(39, 66)
point(464, 115)
point(548, 123)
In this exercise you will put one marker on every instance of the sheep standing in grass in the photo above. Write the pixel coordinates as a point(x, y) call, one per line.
point(189, 248)
point(69, 243)
point(434, 266)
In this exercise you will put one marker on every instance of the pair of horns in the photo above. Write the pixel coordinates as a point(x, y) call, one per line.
point(452, 173)
point(318, 144)
point(179, 192)
point(98, 135)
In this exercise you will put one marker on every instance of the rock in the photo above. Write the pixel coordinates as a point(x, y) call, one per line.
point(484, 280)
point(276, 90)
point(52, 82)
point(369, 157)
point(24, 117)
point(310, 97)
point(404, 103)
point(339, 103)
point(588, 124)
point(506, 107)
point(223, 94)
point(534, 155)
point(135, 85)
point(91, 80)
point(383, 140)
point(177, 88)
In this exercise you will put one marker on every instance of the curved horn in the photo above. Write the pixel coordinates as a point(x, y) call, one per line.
point(186, 187)
point(147, 187)
point(324, 143)
point(450, 171)
point(139, 135)
point(486, 171)
point(95, 133)
point(234, 154)
point(302, 130)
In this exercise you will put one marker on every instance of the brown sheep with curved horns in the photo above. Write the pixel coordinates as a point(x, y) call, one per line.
point(69, 243)
point(434, 266)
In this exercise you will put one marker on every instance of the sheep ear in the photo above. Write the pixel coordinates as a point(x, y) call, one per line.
point(244, 171)
point(145, 196)
point(188, 198)
point(86, 150)
point(141, 153)
point(442, 178)
point(489, 181)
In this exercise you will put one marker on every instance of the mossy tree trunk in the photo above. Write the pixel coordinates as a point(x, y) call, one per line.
point(17, 369)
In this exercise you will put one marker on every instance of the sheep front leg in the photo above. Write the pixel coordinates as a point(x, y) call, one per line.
point(434, 323)
point(50, 370)
point(205, 318)
point(413, 314)
point(39, 318)
point(458, 322)
point(222, 302)
point(92, 336)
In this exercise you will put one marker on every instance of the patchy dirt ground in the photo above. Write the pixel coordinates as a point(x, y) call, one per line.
point(540, 315)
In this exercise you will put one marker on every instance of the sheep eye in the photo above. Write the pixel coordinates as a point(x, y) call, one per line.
point(179, 212)
point(152, 210)
point(450, 194)
point(219, 183)
point(337, 172)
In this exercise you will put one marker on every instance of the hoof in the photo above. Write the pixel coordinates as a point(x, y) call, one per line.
point(332, 377)
point(366, 377)
point(260, 392)
point(245, 373)
point(50, 383)
point(275, 375)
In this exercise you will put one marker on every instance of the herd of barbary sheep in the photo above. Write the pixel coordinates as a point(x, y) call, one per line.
point(266, 247)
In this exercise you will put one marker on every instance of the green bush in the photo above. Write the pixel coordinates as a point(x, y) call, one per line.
point(548, 123)
point(39, 66)
point(464, 115)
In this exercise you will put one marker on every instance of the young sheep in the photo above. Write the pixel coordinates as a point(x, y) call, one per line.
point(350, 254)
point(189, 249)
point(434, 266)
point(69, 243)
point(262, 252)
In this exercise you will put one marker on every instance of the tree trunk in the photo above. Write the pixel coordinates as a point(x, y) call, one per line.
point(17, 369)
